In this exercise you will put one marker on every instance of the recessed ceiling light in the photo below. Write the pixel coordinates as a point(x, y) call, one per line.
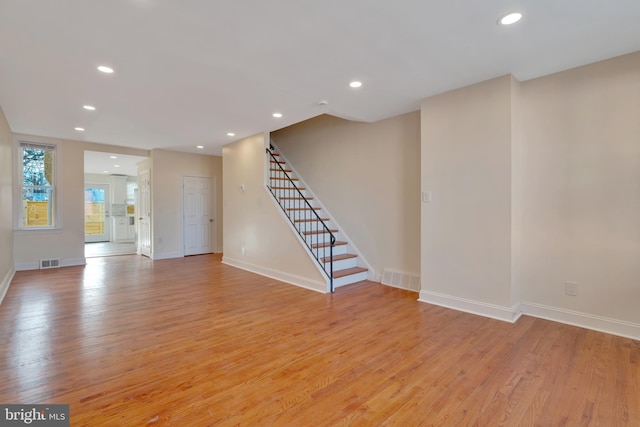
point(277, 115)
point(200, 146)
point(105, 69)
point(105, 171)
point(116, 166)
point(89, 107)
point(113, 157)
point(355, 84)
point(79, 129)
point(510, 18)
point(231, 134)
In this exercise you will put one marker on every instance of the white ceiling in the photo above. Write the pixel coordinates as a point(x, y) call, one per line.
point(189, 71)
point(105, 163)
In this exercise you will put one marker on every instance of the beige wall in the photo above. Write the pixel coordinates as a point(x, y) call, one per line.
point(581, 181)
point(252, 220)
point(536, 184)
point(66, 243)
point(368, 176)
point(6, 205)
point(466, 165)
point(168, 168)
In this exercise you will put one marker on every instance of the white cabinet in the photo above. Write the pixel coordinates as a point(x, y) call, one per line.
point(118, 189)
point(123, 229)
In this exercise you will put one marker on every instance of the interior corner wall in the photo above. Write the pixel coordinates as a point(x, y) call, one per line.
point(581, 184)
point(257, 236)
point(466, 228)
point(168, 168)
point(6, 206)
point(368, 176)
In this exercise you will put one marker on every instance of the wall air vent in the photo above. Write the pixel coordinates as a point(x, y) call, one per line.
point(49, 263)
point(401, 280)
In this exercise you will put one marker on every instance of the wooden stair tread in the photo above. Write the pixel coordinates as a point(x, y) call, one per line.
point(306, 208)
point(284, 178)
point(310, 219)
point(326, 245)
point(287, 188)
point(280, 170)
point(319, 232)
point(277, 161)
point(348, 272)
point(339, 257)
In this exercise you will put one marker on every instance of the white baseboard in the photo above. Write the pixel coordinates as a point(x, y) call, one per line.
point(282, 276)
point(35, 265)
point(583, 320)
point(167, 255)
point(69, 262)
point(4, 285)
point(507, 314)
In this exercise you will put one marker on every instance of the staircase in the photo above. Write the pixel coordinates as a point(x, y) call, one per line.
point(315, 228)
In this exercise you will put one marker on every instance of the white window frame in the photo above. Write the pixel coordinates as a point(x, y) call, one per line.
point(18, 187)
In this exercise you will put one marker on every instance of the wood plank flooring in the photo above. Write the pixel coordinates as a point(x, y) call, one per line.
point(127, 341)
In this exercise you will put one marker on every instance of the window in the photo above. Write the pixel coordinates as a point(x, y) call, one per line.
point(37, 207)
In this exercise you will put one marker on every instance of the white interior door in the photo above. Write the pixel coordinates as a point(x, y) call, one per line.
point(198, 214)
point(96, 213)
point(144, 213)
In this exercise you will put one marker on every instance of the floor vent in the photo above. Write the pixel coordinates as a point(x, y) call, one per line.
point(49, 263)
point(401, 280)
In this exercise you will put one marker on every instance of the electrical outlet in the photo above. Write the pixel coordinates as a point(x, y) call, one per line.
point(244, 251)
point(571, 288)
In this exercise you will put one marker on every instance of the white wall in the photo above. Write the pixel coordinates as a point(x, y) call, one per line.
point(368, 176)
point(466, 165)
point(254, 222)
point(6, 206)
point(168, 168)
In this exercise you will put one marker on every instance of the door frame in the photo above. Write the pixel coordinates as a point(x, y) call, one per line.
point(141, 215)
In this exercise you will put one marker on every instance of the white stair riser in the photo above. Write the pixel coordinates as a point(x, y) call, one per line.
point(324, 252)
point(298, 203)
point(312, 239)
point(343, 264)
point(347, 280)
point(310, 225)
point(302, 214)
point(288, 192)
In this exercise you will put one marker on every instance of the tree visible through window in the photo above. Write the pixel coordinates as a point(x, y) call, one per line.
point(38, 185)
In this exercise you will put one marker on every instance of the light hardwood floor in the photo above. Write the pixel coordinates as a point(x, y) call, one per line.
point(127, 341)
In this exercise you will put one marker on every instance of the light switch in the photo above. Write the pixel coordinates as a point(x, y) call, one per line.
point(426, 196)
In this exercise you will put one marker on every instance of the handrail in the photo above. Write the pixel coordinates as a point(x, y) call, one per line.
point(298, 207)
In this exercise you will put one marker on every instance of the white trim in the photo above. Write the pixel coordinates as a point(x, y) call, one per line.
point(70, 262)
point(583, 320)
point(35, 265)
point(167, 255)
point(507, 314)
point(4, 285)
point(282, 276)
